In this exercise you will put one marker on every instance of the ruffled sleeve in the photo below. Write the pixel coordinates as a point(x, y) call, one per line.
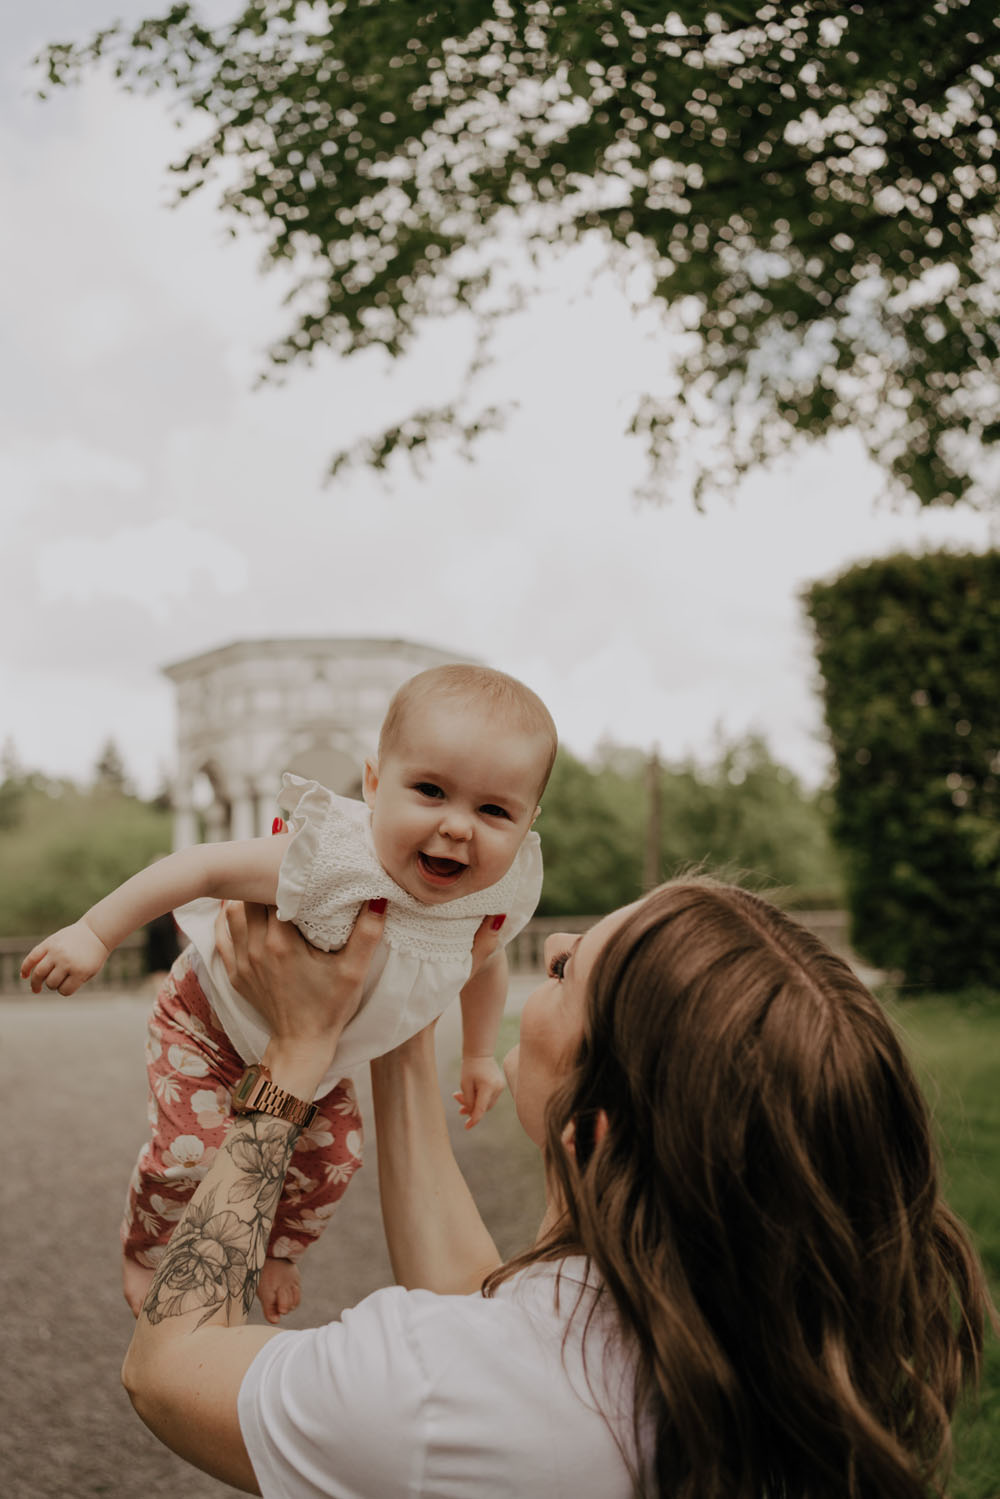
point(528, 890)
point(306, 806)
point(329, 869)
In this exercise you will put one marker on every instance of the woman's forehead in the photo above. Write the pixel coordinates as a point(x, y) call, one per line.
point(595, 937)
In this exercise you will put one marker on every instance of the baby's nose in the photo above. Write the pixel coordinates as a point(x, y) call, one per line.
point(456, 824)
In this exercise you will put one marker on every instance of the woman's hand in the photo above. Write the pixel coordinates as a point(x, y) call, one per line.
point(305, 996)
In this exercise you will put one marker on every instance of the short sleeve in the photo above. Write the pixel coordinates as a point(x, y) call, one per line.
point(336, 1412)
point(307, 806)
point(529, 888)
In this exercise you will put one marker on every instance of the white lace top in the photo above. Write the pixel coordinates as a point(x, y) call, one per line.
point(329, 870)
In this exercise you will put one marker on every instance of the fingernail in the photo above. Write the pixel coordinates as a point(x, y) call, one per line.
point(379, 905)
point(498, 922)
point(278, 825)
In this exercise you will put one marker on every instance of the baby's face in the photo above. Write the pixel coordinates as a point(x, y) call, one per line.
point(452, 799)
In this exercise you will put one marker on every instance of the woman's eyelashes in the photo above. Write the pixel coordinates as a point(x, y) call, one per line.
point(557, 966)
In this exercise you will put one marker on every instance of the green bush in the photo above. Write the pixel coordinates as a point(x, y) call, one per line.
point(909, 651)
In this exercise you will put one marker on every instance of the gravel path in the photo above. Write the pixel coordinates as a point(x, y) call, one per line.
point(73, 1090)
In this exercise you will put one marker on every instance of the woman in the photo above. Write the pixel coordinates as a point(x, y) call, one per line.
point(745, 1283)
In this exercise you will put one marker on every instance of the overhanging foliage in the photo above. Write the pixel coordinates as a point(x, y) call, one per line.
point(809, 189)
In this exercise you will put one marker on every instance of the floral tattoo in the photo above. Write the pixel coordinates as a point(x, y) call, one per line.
point(215, 1256)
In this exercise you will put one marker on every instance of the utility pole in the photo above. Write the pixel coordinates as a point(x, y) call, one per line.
point(651, 862)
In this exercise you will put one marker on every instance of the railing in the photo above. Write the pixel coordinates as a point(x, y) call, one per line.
point(125, 968)
point(525, 952)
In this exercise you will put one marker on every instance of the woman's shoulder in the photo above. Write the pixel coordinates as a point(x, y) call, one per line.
point(493, 1377)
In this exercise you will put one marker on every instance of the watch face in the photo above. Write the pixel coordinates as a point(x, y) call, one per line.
point(245, 1087)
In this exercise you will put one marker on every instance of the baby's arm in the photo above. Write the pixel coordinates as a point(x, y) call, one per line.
point(483, 999)
point(228, 871)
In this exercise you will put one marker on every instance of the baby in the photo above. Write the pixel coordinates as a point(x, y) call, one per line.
point(444, 836)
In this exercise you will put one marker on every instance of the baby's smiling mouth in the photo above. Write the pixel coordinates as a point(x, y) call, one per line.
point(440, 870)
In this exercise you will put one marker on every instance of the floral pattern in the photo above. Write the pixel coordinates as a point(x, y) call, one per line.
point(192, 1067)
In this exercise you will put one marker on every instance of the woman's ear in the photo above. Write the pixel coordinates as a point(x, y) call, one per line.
point(597, 1131)
point(370, 783)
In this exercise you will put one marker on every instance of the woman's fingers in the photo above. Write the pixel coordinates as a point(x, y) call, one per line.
point(230, 930)
point(358, 950)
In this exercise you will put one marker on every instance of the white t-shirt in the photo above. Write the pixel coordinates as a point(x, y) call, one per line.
point(329, 869)
point(412, 1395)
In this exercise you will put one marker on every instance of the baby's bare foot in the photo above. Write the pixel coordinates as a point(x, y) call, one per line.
point(280, 1288)
point(136, 1281)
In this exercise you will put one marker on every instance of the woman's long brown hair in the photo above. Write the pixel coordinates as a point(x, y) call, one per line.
point(763, 1212)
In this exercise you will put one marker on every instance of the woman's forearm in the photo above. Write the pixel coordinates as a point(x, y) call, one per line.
point(436, 1237)
point(191, 1347)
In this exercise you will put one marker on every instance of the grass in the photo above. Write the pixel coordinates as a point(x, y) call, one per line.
point(954, 1041)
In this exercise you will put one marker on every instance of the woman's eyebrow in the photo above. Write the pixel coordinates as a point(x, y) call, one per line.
point(569, 955)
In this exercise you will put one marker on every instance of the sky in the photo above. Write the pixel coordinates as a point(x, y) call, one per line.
point(157, 502)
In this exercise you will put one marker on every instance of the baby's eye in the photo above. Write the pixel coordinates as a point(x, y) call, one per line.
point(492, 810)
point(557, 967)
point(427, 788)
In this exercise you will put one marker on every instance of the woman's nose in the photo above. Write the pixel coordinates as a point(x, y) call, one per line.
point(556, 943)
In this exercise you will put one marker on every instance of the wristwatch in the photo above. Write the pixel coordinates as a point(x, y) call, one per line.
point(256, 1094)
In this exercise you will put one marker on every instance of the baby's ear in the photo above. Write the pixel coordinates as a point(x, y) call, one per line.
point(534, 815)
point(370, 783)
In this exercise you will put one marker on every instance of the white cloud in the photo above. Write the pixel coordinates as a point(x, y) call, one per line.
point(31, 471)
point(152, 566)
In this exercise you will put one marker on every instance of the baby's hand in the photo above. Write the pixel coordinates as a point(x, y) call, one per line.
point(279, 1288)
point(482, 1084)
point(65, 960)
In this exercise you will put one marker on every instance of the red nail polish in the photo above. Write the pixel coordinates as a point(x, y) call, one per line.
point(379, 905)
point(498, 922)
point(277, 826)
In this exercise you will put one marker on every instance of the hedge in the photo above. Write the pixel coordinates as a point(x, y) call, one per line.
point(909, 652)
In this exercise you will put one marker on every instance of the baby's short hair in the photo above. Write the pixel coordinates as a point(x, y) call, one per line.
point(493, 690)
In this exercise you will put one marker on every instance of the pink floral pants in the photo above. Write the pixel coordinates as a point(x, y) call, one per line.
point(192, 1066)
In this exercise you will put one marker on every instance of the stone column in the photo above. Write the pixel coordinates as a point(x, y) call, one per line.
point(185, 824)
point(242, 820)
point(267, 811)
point(216, 823)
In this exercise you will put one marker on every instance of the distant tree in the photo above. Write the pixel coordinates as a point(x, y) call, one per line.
point(748, 815)
point(109, 771)
point(591, 826)
point(810, 189)
point(741, 814)
point(11, 768)
point(11, 784)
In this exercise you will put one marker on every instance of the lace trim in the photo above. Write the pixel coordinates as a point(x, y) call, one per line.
point(330, 870)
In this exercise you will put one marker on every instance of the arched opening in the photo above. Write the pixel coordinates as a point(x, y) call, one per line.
point(333, 768)
point(211, 806)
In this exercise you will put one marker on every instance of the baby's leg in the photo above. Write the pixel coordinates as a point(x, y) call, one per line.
point(325, 1158)
point(191, 1067)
